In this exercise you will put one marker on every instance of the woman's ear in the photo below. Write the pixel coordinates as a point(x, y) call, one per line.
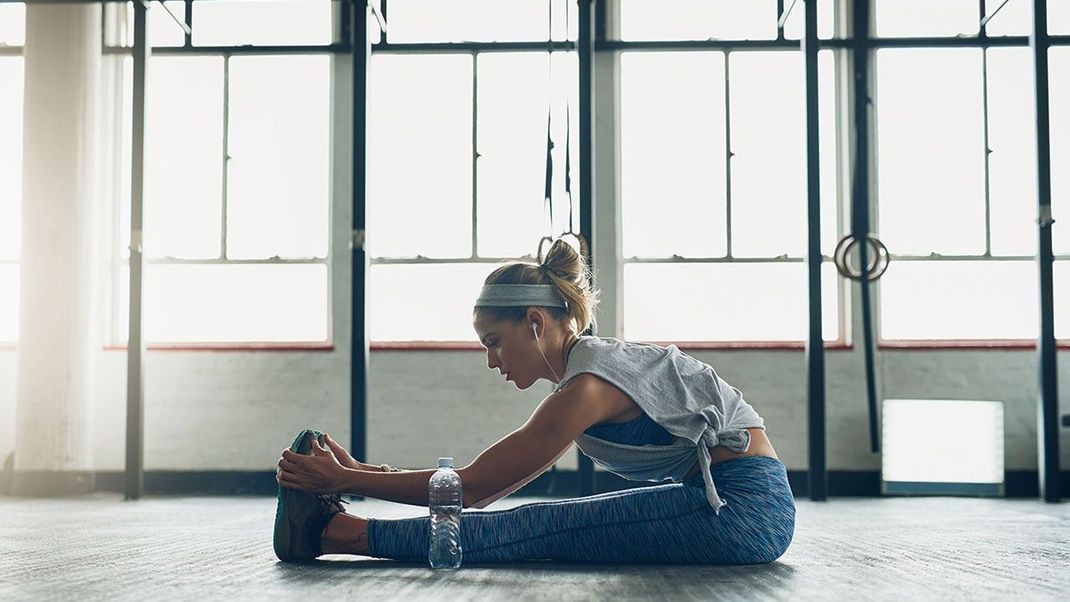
point(538, 322)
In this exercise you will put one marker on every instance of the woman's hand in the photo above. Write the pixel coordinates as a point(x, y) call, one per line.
point(344, 458)
point(319, 473)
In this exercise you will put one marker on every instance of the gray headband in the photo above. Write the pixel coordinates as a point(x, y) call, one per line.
point(519, 295)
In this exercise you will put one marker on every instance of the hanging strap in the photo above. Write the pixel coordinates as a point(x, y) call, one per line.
point(568, 162)
point(548, 188)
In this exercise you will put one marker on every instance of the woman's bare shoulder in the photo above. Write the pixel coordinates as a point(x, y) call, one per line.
point(591, 388)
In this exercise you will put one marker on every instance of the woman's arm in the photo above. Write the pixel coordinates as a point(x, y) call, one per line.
point(511, 462)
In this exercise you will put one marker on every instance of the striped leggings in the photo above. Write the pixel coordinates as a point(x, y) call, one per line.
point(660, 524)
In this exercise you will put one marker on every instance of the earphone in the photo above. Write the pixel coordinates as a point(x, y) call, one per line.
point(535, 331)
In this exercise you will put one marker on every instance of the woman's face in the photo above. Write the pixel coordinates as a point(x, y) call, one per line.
point(511, 350)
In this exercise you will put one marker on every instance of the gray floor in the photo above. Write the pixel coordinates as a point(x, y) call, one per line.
point(99, 547)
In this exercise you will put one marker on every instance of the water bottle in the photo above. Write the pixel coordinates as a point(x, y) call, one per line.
point(445, 500)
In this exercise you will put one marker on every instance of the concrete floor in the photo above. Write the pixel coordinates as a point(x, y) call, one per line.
point(101, 548)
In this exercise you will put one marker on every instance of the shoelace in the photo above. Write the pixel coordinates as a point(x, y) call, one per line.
point(331, 502)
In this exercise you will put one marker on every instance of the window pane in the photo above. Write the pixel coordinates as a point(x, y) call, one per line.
point(794, 27)
point(162, 28)
point(12, 24)
point(1012, 163)
point(919, 18)
point(698, 20)
point(930, 144)
point(9, 302)
point(565, 70)
point(673, 160)
point(948, 300)
point(277, 179)
point(125, 184)
point(768, 153)
point(262, 22)
point(1059, 17)
point(11, 89)
point(420, 156)
point(512, 108)
point(724, 302)
point(424, 302)
point(163, 31)
point(1061, 294)
point(830, 171)
point(1014, 19)
point(230, 303)
point(477, 20)
point(183, 157)
point(768, 112)
point(1059, 128)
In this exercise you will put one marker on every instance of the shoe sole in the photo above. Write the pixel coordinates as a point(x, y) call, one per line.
point(283, 542)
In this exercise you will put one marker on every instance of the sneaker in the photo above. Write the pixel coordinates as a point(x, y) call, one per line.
point(301, 517)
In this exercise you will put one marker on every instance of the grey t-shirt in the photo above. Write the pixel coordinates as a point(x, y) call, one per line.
point(679, 392)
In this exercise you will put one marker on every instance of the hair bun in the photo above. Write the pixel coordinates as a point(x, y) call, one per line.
point(547, 269)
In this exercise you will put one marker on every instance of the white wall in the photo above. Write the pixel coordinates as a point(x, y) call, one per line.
point(219, 410)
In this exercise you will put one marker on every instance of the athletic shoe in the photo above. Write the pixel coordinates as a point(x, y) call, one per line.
point(301, 517)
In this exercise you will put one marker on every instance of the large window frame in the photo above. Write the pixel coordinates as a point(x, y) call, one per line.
point(787, 33)
point(560, 43)
point(604, 44)
point(987, 9)
point(730, 257)
point(117, 44)
point(785, 40)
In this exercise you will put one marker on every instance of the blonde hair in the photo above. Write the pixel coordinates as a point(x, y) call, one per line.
point(569, 273)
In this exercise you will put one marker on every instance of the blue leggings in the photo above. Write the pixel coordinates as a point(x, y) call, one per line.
point(660, 524)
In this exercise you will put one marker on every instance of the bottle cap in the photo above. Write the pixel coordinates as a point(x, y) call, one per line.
point(445, 462)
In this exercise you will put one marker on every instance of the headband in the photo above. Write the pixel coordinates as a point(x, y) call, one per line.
point(519, 295)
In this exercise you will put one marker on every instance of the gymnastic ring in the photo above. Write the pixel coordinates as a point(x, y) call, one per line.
point(874, 270)
point(539, 257)
point(842, 252)
point(581, 243)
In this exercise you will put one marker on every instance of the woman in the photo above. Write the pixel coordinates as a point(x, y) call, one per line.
point(642, 411)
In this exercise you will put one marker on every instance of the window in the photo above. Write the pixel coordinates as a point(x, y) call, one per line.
point(12, 24)
point(262, 22)
point(457, 157)
point(12, 36)
point(221, 23)
point(423, 21)
point(1059, 124)
point(1014, 19)
point(11, 89)
point(644, 20)
point(1058, 17)
point(713, 195)
point(921, 18)
point(237, 182)
point(965, 270)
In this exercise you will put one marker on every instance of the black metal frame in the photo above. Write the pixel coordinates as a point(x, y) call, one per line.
point(135, 353)
point(585, 48)
point(1048, 404)
point(359, 347)
point(815, 343)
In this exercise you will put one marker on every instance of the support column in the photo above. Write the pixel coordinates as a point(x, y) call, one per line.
point(54, 357)
point(1047, 350)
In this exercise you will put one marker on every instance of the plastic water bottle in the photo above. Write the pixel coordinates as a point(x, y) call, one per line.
point(445, 498)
